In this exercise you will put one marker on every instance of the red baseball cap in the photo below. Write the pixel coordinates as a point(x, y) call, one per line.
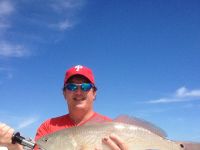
point(80, 70)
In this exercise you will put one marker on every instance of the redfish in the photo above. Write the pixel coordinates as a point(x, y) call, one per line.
point(137, 135)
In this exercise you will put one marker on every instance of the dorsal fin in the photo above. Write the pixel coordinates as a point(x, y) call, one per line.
point(96, 120)
point(141, 123)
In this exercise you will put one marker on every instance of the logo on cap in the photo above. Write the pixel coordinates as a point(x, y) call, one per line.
point(78, 67)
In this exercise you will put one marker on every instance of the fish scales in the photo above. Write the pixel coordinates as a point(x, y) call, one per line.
point(89, 137)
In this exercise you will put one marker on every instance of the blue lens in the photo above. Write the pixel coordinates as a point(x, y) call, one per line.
point(86, 86)
point(71, 87)
point(74, 87)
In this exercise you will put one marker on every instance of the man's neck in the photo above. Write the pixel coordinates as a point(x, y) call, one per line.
point(81, 117)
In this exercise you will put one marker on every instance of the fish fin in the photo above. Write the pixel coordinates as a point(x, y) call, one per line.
point(141, 123)
point(91, 123)
point(189, 145)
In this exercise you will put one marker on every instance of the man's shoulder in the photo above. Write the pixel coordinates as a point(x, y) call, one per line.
point(57, 120)
point(52, 125)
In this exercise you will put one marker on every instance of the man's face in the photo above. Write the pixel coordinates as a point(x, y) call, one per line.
point(78, 99)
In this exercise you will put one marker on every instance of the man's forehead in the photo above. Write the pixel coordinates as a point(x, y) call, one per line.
point(78, 77)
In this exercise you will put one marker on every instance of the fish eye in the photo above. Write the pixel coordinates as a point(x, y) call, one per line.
point(45, 139)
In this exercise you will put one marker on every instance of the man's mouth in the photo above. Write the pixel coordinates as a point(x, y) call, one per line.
point(79, 98)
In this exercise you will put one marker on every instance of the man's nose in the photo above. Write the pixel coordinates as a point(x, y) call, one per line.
point(79, 90)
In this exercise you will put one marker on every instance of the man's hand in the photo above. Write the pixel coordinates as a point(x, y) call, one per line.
point(6, 134)
point(115, 143)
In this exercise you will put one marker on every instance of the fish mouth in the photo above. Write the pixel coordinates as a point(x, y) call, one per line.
point(41, 148)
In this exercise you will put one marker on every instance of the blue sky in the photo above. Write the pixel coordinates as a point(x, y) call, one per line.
point(145, 55)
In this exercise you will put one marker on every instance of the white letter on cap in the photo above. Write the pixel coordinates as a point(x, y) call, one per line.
point(78, 67)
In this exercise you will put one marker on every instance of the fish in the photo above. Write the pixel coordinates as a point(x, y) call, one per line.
point(137, 135)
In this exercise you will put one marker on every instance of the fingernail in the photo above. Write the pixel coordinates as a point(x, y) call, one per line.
point(111, 135)
point(105, 139)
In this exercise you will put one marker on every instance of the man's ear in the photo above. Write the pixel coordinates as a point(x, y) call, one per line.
point(64, 94)
point(94, 94)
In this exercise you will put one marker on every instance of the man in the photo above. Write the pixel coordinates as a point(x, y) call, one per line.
point(79, 92)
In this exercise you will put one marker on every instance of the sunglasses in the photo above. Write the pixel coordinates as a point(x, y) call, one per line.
point(73, 86)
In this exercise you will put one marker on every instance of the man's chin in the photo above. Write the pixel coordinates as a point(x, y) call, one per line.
point(79, 105)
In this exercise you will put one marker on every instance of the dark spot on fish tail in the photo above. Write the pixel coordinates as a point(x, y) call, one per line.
point(182, 146)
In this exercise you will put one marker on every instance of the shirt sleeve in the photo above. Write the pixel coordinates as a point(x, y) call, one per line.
point(41, 131)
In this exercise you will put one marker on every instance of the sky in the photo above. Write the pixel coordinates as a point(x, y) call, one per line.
point(145, 55)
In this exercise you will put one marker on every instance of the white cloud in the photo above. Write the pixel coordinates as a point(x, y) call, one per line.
point(8, 49)
point(16, 121)
point(69, 10)
point(181, 95)
point(184, 92)
point(6, 8)
point(64, 25)
point(64, 17)
point(27, 122)
point(163, 100)
point(67, 5)
point(12, 50)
